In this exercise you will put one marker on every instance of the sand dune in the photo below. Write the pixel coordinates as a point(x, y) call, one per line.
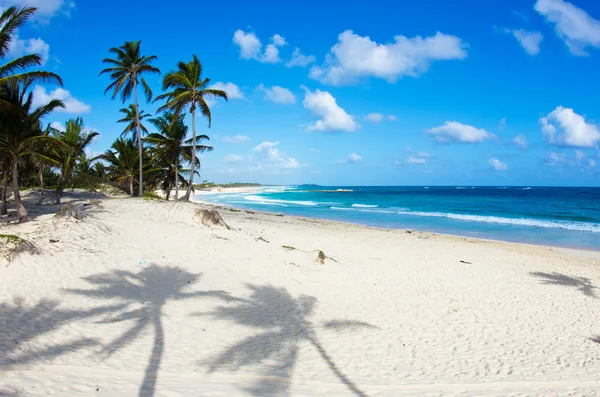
point(140, 298)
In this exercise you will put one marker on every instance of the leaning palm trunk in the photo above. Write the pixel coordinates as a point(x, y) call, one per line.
point(131, 187)
point(4, 206)
point(21, 211)
point(59, 188)
point(189, 189)
point(139, 135)
point(176, 180)
point(41, 176)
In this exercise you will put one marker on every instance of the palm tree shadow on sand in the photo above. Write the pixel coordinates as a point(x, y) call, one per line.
point(285, 321)
point(582, 284)
point(151, 288)
point(21, 324)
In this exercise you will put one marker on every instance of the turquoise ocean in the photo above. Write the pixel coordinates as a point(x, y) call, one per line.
point(559, 216)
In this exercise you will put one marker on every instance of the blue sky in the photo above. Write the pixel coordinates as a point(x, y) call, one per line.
point(397, 93)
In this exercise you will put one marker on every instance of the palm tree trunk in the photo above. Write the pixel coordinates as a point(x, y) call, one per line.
point(189, 188)
point(41, 176)
point(355, 390)
point(149, 383)
point(21, 211)
point(131, 187)
point(169, 191)
point(4, 205)
point(139, 135)
point(176, 179)
point(59, 187)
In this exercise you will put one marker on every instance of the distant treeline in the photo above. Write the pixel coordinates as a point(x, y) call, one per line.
point(210, 185)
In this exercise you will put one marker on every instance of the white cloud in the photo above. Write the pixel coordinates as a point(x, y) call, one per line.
point(564, 127)
point(37, 46)
point(356, 56)
point(591, 163)
point(45, 8)
point(579, 155)
point(72, 105)
point(250, 47)
point(572, 24)
point(354, 158)
point(374, 117)
point(391, 117)
point(236, 139)
point(553, 158)
point(453, 131)
point(278, 40)
point(530, 41)
point(502, 124)
point(249, 44)
point(331, 116)
point(278, 94)
point(497, 164)
point(521, 141)
point(271, 160)
point(232, 90)
point(300, 60)
point(233, 158)
point(265, 145)
point(416, 160)
point(57, 126)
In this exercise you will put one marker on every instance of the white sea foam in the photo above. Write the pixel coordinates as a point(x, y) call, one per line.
point(258, 203)
point(527, 188)
point(365, 205)
point(342, 209)
point(577, 226)
point(263, 200)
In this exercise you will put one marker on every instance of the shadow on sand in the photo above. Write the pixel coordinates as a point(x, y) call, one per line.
point(285, 323)
point(21, 324)
point(148, 291)
point(583, 284)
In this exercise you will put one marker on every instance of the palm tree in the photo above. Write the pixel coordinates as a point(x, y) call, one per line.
point(130, 117)
point(122, 162)
point(21, 131)
point(189, 90)
point(75, 139)
point(172, 148)
point(16, 70)
point(126, 73)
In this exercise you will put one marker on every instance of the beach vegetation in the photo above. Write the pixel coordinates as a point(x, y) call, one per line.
point(35, 153)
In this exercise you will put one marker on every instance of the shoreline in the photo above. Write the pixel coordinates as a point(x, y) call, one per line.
point(596, 251)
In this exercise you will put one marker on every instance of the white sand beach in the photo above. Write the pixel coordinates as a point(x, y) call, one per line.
point(140, 298)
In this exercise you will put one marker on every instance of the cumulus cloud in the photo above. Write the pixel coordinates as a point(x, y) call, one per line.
point(251, 47)
point(72, 104)
point(233, 158)
point(330, 115)
point(354, 57)
point(591, 163)
point(236, 139)
point(249, 44)
point(374, 117)
point(391, 117)
point(416, 160)
point(269, 159)
point(38, 46)
point(529, 40)
point(57, 126)
point(564, 127)
point(453, 131)
point(572, 24)
point(45, 8)
point(521, 141)
point(278, 94)
point(354, 158)
point(300, 60)
point(579, 155)
point(232, 90)
point(553, 158)
point(497, 164)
